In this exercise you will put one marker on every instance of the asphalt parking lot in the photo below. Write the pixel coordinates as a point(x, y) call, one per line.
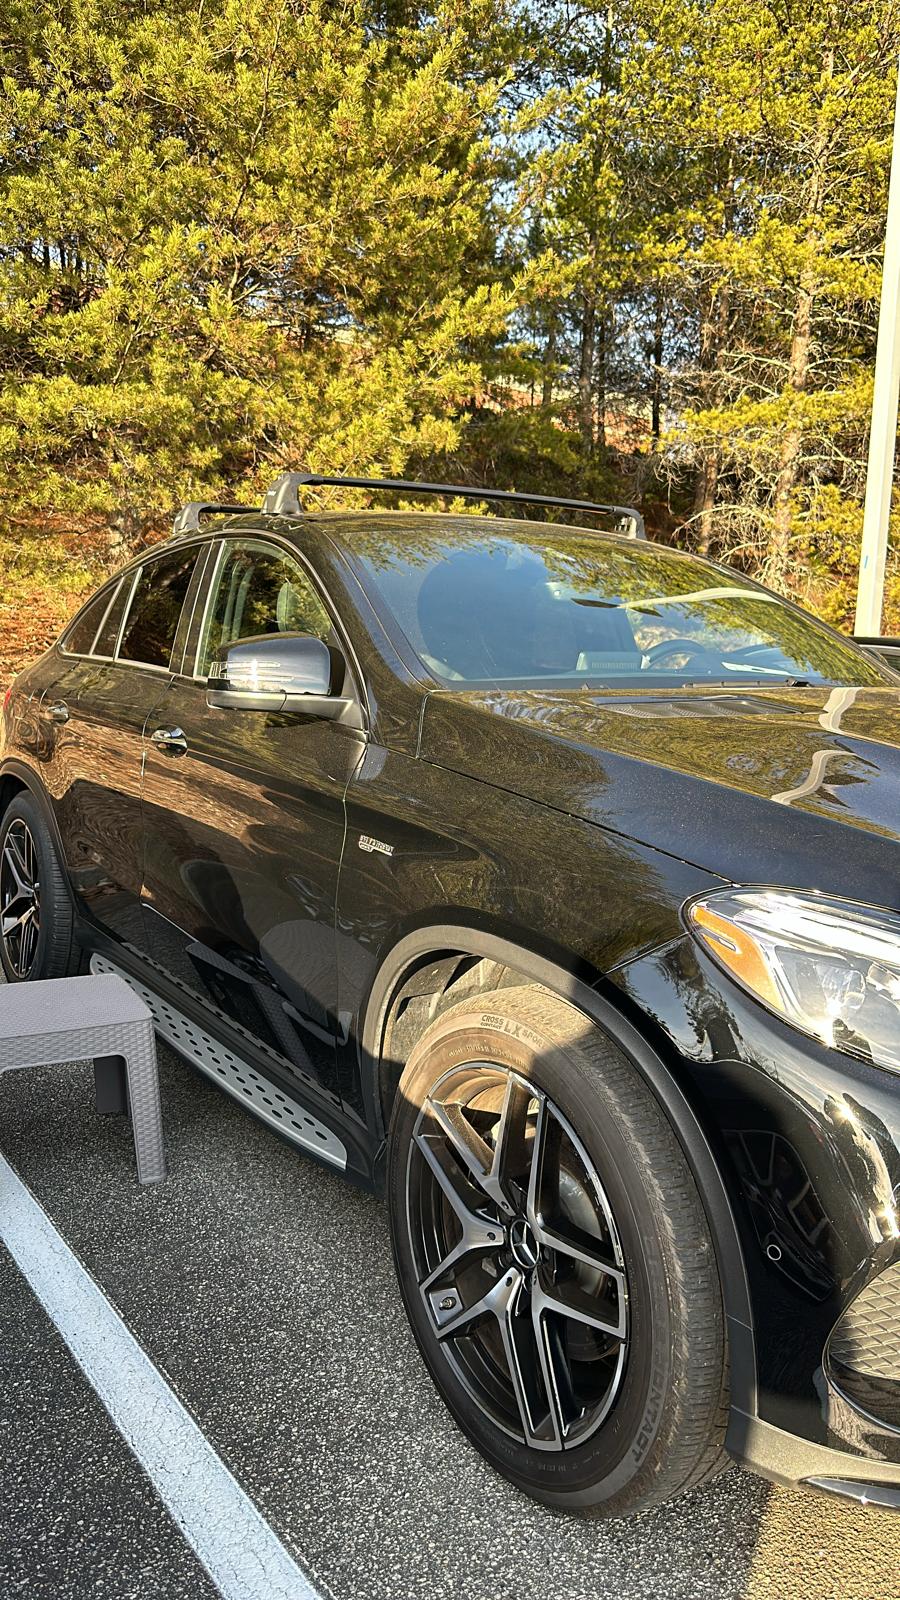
point(261, 1287)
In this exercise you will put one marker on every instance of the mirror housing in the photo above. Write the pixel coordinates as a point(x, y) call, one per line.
point(279, 672)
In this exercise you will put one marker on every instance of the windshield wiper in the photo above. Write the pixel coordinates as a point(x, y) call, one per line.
point(749, 683)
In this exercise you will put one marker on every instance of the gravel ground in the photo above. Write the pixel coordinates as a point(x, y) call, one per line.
point(262, 1287)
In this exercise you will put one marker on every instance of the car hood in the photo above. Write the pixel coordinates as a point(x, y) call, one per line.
point(790, 785)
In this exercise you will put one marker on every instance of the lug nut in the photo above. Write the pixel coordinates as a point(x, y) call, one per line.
point(448, 1302)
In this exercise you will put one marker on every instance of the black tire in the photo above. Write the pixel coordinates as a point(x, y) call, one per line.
point(664, 1425)
point(55, 953)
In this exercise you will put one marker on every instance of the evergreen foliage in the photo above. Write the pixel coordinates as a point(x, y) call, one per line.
point(629, 251)
point(713, 176)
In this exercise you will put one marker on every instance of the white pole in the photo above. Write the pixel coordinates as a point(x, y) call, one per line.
point(883, 434)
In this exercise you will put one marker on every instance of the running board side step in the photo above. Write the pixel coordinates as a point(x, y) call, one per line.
point(287, 1115)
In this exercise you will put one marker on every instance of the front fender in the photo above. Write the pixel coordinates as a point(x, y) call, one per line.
point(416, 947)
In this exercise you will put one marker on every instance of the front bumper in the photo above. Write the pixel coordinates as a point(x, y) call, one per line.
point(787, 1459)
point(808, 1144)
point(862, 1361)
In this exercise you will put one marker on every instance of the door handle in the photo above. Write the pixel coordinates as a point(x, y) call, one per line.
point(171, 740)
point(59, 712)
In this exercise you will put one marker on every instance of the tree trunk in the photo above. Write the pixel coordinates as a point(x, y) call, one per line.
point(798, 362)
point(713, 335)
point(548, 365)
point(791, 446)
point(656, 373)
point(600, 385)
point(712, 339)
point(119, 539)
point(586, 374)
point(705, 497)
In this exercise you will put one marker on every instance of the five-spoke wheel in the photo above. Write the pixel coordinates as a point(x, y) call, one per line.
point(20, 898)
point(519, 1260)
point(554, 1255)
point(37, 937)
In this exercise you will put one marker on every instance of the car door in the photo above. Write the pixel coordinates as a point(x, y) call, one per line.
point(244, 826)
point(95, 710)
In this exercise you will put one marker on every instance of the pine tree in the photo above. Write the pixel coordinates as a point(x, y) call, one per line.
point(782, 115)
point(619, 251)
point(236, 236)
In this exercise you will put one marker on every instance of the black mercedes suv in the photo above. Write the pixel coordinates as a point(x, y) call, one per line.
point(549, 879)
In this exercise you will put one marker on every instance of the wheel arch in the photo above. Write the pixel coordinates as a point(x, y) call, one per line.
point(10, 786)
point(16, 776)
point(432, 944)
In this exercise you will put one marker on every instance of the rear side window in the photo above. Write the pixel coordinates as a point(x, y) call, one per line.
point(105, 642)
point(80, 637)
point(152, 620)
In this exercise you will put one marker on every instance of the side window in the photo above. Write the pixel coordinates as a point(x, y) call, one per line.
point(105, 642)
point(79, 639)
point(152, 620)
point(259, 590)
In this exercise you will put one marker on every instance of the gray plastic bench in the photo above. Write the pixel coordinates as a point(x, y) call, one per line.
point(100, 1019)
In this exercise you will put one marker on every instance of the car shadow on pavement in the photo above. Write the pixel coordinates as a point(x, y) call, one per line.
point(262, 1286)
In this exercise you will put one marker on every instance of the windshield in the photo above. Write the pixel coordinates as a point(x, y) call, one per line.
point(526, 604)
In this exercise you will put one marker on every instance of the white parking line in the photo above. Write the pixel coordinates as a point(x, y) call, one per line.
point(244, 1558)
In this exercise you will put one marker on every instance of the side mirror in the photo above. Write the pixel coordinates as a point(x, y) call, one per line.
point(279, 672)
point(886, 651)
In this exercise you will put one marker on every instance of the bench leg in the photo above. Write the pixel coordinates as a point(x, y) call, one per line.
point(109, 1086)
point(146, 1116)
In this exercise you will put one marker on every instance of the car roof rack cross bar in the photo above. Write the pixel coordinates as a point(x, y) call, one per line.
point(283, 498)
point(187, 520)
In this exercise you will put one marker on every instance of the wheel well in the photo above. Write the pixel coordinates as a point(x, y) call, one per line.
point(10, 786)
point(427, 990)
point(431, 970)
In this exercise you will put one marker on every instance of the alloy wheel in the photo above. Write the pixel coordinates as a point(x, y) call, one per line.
point(20, 898)
point(517, 1256)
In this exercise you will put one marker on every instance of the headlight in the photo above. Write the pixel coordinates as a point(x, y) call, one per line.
point(830, 967)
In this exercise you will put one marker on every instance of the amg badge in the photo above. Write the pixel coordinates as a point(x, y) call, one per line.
point(365, 843)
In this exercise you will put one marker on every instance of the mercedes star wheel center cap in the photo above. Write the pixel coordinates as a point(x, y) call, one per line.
point(523, 1244)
